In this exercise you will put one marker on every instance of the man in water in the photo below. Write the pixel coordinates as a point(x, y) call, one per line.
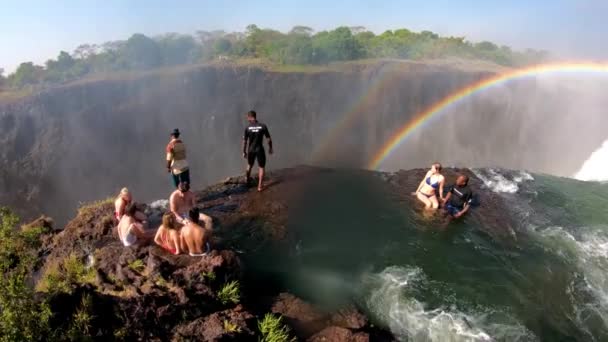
point(182, 201)
point(458, 200)
point(177, 165)
point(193, 238)
point(254, 136)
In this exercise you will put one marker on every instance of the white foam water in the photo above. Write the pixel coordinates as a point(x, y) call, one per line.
point(161, 204)
point(409, 320)
point(590, 251)
point(497, 182)
point(594, 168)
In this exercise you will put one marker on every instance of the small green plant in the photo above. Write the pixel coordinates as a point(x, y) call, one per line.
point(230, 293)
point(273, 329)
point(81, 320)
point(161, 282)
point(120, 334)
point(137, 265)
point(63, 276)
point(230, 327)
point(209, 275)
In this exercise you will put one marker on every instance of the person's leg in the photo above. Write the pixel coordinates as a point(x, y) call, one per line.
point(250, 161)
point(434, 202)
point(424, 199)
point(261, 165)
point(175, 179)
point(185, 176)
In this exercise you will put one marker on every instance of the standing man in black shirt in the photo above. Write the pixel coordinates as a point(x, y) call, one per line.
point(254, 136)
point(458, 200)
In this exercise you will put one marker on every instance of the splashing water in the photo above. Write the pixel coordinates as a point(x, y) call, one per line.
point(595, 168)
point(462, 282)
point(498, 182)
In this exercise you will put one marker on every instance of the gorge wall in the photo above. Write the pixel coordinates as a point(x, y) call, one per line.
point(86, 140)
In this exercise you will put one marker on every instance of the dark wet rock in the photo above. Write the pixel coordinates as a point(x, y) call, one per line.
point(230, 325)
point(338, 334)
point(303, 317)
point(146, 293)
point(349, 318)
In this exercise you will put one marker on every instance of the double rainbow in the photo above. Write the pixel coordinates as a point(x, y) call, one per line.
point(458, 96)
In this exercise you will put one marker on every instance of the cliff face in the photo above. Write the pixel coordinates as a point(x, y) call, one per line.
point(84, 141)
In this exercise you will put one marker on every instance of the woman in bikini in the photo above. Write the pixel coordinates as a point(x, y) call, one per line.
point(168, 235)
point(429, 187)
point(123, 199)
point(130, 231)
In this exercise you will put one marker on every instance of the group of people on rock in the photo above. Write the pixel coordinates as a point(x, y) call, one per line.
point(184, 228)
point(455, 203)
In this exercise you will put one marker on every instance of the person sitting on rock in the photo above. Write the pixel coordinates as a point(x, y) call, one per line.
point(193, 237)
point(168, 234)
point(431, 187)
point(458, 200)
point(130, 230)
point(123, 199)
point(180, 203)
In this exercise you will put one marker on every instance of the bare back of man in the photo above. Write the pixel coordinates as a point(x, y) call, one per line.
point(194, 239)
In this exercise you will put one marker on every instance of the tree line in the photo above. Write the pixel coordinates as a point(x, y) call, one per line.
point(300, 46)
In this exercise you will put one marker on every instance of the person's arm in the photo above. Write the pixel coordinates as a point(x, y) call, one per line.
point(138, 230)
point(421, 183)
point(463, 211)
point(173, 208)
point(182, 243)
point(176, 243)
point(447, 197)
point(157, 239)
point(245, 143)
point(193, 200)
point(169, 157)
point(267, 134)
point(441, 183)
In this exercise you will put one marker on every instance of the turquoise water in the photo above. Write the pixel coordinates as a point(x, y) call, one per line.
point(356, 238)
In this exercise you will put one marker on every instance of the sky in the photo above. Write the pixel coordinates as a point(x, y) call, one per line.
point(38, 30)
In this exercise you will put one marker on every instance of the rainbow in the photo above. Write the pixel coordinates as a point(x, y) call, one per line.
point(456, 97)
point(361, 106)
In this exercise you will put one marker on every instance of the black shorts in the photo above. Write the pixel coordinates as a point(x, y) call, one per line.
point(259, 155)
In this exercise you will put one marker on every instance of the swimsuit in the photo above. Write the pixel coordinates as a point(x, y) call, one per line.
point(452, 210)
point(165, 245)
point(202, 254)
point(433, 185)
point(130, 238)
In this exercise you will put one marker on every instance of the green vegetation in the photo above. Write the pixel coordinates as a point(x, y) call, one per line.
point(231, 327)
point(64, 276)
point(273, 329)
point(208, 276)
point(300, 46)
point(88, 207)
point(230, 293)
point(22, 317)
point(81, 321)
point(137, 265)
